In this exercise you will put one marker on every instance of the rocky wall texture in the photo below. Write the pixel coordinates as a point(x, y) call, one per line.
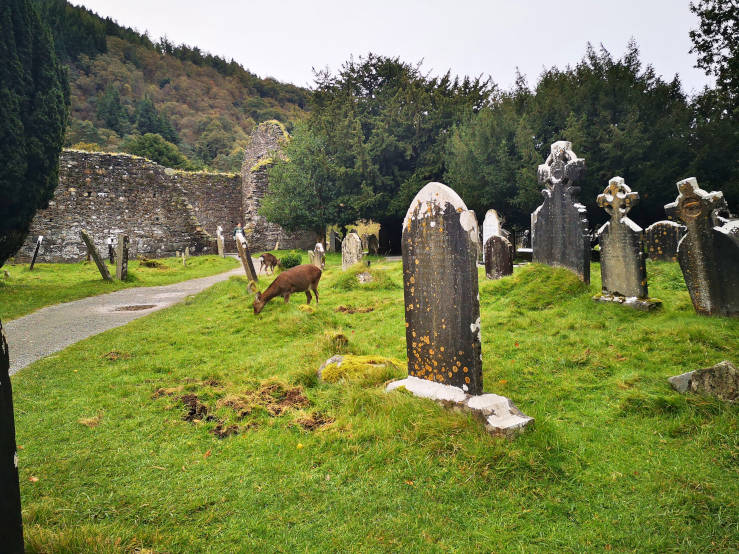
point(106, 194)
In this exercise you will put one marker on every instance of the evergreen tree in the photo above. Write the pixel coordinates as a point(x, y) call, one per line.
point(111, 112)
point(157, 149)
point(33, 116)
point(148, 120)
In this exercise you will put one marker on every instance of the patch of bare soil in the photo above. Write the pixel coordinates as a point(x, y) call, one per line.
point(152, 263)
point(313, 421)
point(166, 391)
point(114, 355)
point(353, 310)
point(196, 410)
point(222, 431)
point(134, 308)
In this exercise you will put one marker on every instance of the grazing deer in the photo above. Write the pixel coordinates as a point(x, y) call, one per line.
point(268, 262)
point(302, 278)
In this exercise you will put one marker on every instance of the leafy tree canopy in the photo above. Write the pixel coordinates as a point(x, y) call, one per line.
point(157, 149)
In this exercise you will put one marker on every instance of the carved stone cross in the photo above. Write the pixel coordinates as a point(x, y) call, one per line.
point(562, 166)
point(617, 199)
point(694, 204)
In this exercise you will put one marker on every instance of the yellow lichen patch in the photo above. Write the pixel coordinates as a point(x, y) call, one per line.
point(366, 370)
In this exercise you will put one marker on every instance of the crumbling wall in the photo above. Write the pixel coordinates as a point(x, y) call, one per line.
point(161, 210)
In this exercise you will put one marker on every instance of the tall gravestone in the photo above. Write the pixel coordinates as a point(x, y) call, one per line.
point(39, 240)
point(111, 250)
point(220, 242)
point(121, 258)
point(661, 240)
point(560, 226)
point(492, 225)
point(333, 244)
point(709, 252)
point(498, 257)
point(442, 310)
point(622, 267)
point(351, 250)
point(92, 251)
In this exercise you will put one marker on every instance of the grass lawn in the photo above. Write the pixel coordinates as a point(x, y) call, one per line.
point(120, 449)
point(26, 291)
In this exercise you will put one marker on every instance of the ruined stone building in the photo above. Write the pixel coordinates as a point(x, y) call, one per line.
point(161, 210)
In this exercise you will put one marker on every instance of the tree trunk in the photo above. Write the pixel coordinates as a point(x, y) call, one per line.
point(11, 525)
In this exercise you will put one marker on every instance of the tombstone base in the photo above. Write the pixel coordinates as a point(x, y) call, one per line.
point(499, 415)
point(643, 304)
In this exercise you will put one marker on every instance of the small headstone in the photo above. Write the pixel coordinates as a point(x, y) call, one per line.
point(721, 381)
point(661, 240)
point(560, 226)
point(220, 242)
point(498, 257)
point(709, 252)
point(333, 244)
point(111, 250)
point(622, 267)
point(99, 262)
point(121, 257)
point(373, 245)
point(351, 250)
point(184, 260)
point(39, 240)
point(491, 225)
point(318, 256)
point(187, 251)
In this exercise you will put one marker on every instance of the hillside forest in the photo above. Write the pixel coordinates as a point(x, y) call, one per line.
point(368, 136)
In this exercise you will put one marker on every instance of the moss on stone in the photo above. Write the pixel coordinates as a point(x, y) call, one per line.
point(367, 370)
point(267, 160)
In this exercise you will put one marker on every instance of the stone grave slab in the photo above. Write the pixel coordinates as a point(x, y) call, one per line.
point(498, 257)
point(560, 226)
point(351, 250)
point(661, 240)
point(121, 258)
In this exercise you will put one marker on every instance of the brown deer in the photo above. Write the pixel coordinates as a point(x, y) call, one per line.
point(268, 262)
point(302, 278)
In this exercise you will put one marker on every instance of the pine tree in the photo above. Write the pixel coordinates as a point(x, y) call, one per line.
point(34, 100)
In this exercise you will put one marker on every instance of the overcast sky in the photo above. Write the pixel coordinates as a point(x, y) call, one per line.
point(285, 39)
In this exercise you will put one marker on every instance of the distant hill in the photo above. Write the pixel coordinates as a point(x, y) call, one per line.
point(123, 85)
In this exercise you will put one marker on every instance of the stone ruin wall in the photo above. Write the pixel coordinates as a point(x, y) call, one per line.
point(161, 210)
point(267, 141)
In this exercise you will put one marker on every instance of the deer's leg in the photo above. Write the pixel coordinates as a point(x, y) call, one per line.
point(315, 291)
point(287, 297)
point(308, 296)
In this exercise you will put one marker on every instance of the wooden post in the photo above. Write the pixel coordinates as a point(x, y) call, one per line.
point(39, 240)
point(11, 523)
point(92, 251)
point(121, 258)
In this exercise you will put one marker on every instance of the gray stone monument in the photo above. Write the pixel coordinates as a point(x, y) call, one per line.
point(373, 246)
point(709, 251)
point(560, 226)
point(661, 240)
point(220, 242)
point(333, 244)
point(492, 225)
point(111, 250)
point(498, 257)
point(93, 252)
point(351, 250)
point(121, 257)
point(622, 267)
point(442, 310)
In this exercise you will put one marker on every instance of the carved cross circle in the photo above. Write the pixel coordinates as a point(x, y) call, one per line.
point(617, 199)
point(693, 202)
point(562, 165)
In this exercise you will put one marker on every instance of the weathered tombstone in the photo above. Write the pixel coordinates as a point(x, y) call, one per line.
point(39, 240)
point(220, 242)
point(526, 239)
point(11, 525)
point(622, 267)
point(184, 260)
point(498, 257)
point(246, 261)
point(333, 242)
point(442, 309)
point(187, 251)
point(319, 256)
point(560, 225)
point(99, 262)
point(709, 251)
point(373, 245)
point(121, 258)
point(351, 250)
point(661, 240)
point(721, 381)
point(111, 250)
point(492, 225)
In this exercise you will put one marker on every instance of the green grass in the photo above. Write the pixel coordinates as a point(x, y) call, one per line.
point(616, 459)
point(26, 291)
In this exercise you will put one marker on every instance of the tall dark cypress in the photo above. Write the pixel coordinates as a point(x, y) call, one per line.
point(34, 104)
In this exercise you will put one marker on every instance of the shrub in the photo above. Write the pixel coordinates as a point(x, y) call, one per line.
point(290, 260)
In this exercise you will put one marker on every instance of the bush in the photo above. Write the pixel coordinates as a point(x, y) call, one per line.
point(290, 260)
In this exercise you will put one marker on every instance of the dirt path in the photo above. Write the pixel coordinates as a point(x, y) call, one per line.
point(53, 328)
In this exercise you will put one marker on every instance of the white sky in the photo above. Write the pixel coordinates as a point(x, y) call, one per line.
point(285, 39)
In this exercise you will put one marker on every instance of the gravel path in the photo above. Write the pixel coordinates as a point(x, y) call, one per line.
point(53, 328)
